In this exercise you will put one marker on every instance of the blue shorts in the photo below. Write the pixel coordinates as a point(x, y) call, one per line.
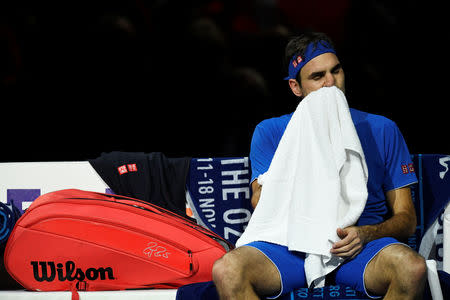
point(290, 265)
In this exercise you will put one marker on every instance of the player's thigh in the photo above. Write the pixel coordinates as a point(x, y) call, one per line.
point(248, 264)
point(286, 272)
point(391, 263)
point(364, 273)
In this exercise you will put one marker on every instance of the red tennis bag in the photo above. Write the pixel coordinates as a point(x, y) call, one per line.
point(79, 240)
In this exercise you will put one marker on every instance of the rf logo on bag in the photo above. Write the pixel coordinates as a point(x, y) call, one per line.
point(156, 250)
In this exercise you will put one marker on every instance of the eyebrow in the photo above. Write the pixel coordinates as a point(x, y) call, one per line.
point(322, 73)
point(336, 67)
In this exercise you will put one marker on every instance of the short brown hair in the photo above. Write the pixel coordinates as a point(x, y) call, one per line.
point(297, 45)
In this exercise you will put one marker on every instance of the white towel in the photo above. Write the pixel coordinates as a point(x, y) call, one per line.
point(316, 182)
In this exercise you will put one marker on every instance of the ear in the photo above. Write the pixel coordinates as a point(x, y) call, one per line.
point(295, 87)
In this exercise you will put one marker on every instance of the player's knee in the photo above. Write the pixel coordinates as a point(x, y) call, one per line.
point(226, 271)
point(410, 266)
point(415, 268)
point(218, 270)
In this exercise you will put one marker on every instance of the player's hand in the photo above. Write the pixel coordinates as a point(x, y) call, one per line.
point(351, 243)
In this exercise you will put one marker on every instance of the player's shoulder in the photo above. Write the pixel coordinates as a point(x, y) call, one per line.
point(374, 121)
point(274, 124)
point(269, 131)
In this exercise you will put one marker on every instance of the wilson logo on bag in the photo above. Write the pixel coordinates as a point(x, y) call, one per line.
point(46, 271)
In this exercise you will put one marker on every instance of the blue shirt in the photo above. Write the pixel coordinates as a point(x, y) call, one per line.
point(387, 157)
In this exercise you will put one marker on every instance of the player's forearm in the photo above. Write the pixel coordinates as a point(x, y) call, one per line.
point(399, 226)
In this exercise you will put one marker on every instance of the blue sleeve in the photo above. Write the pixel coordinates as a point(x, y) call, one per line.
point(399, 169)
point(262, 150)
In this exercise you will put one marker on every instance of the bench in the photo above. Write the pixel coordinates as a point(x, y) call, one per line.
point(218, 196)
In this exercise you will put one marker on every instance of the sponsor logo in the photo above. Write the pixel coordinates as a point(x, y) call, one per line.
point(132, 167)
point(127, 168)
point(295, 62)
point(122, 169)
point(50, 271)
point(409, 168)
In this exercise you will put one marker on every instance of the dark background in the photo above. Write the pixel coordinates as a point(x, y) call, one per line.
point(193, 78)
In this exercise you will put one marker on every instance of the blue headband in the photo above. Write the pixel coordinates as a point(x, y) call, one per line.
point(312, 50)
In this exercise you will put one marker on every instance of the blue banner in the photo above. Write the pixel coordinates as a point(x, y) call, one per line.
point(327, 292)
point(432, 196)
point(219, 194)
point(436, 185)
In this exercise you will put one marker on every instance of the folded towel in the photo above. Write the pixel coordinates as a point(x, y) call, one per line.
point(316, 182)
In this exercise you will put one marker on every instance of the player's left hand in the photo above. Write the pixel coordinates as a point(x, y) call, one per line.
point(351, 242)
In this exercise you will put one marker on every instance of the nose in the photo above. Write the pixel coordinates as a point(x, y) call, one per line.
point(329, 80)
